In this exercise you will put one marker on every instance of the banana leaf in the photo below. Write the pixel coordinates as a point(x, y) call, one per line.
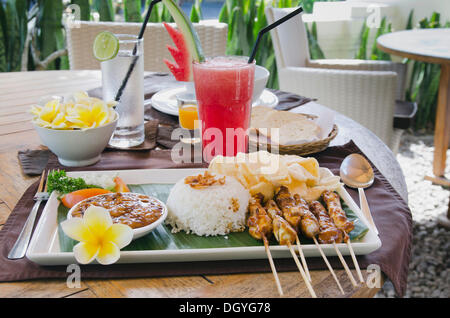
point(162, 238)
point(132, 11)
point(85, 9)
point(105, 9)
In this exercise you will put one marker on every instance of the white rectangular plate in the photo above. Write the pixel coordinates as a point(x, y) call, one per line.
point(44, 246)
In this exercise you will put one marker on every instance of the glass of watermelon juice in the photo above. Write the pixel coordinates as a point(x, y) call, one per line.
point(224, 88)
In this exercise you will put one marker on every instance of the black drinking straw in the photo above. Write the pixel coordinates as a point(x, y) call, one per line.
point(133, 64)
point(270, 27)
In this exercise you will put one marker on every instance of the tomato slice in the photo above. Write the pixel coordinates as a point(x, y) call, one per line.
point(120, 185)
point(72, 198)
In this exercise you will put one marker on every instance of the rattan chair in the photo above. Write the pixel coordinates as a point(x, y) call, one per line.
point(80, 37)
point(365, 91)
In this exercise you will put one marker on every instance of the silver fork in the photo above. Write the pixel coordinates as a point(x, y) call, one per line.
point(20, 247)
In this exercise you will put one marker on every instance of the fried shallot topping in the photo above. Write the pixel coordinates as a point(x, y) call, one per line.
point(203, 181)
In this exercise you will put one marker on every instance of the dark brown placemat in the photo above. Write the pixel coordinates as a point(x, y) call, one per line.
point(390, 213)
point(151, 134)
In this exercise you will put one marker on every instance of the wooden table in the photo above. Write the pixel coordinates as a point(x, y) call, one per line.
point(430, 46)
point(19, 90)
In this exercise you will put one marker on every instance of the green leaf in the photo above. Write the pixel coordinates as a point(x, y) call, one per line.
point(196, 11)
point(261, 20)
point(13, 32)
point(132, 11)
point(223, 14)
point(155, 16)
point(49, 23)
point(314, 49)
point(165, 14)
point(105, 8)
point(363, 38)
point(195, 15)
point(3, 63)
point(409, 23)
point(3, 40)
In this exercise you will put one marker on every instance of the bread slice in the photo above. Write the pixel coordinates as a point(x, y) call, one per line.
point(259, 114)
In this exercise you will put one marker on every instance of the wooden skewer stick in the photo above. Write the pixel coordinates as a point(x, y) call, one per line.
point(329, 266)
point(302, 257)
point(355, 261)
point(349, 273)
point(302, 272)
point(272, 266)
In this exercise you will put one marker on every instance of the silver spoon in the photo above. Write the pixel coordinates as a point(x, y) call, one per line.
point(356, 172)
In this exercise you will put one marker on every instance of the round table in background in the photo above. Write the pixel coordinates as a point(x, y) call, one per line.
point(430, 46)
point(20, 90)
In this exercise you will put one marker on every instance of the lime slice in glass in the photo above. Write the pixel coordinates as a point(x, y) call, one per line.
point(106, 46)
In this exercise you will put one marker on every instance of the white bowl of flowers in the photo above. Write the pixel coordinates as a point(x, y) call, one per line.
point(76, 129)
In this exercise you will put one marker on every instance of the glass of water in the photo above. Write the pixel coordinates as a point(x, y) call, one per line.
point(130, 127)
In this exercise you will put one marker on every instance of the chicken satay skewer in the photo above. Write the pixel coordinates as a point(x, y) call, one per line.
point(335, 210)
point(272, 266)
point(329, 266)
point(260, 227)
point(344, 263)
point(330, 234)
point(286, 235)
point(293, 215)
point(310, 228)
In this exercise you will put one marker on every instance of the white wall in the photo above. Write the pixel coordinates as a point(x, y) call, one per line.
point(339, 23)
point(422, 8)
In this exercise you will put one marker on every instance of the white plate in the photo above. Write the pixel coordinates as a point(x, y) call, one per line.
point(166, 102)
point(44, 246)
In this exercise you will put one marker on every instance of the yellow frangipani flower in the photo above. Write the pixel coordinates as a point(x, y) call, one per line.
point(98, 237)
point(49, 112)
point(79, 111)
point(91, 116)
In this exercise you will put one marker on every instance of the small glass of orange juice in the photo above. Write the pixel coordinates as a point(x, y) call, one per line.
point(188, 118)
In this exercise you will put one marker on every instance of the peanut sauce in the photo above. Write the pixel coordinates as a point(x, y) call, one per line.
point(132, 209)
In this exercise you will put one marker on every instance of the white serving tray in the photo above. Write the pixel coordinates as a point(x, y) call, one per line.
point(44, 246)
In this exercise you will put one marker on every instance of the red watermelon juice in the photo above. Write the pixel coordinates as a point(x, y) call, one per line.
point(224, 88)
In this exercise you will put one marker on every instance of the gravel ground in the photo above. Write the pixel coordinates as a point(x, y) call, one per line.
point(429, 270)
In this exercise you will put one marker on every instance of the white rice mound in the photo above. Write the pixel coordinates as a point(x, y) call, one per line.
point(208, 211)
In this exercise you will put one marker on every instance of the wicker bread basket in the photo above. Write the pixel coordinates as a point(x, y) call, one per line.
point(304, 149)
